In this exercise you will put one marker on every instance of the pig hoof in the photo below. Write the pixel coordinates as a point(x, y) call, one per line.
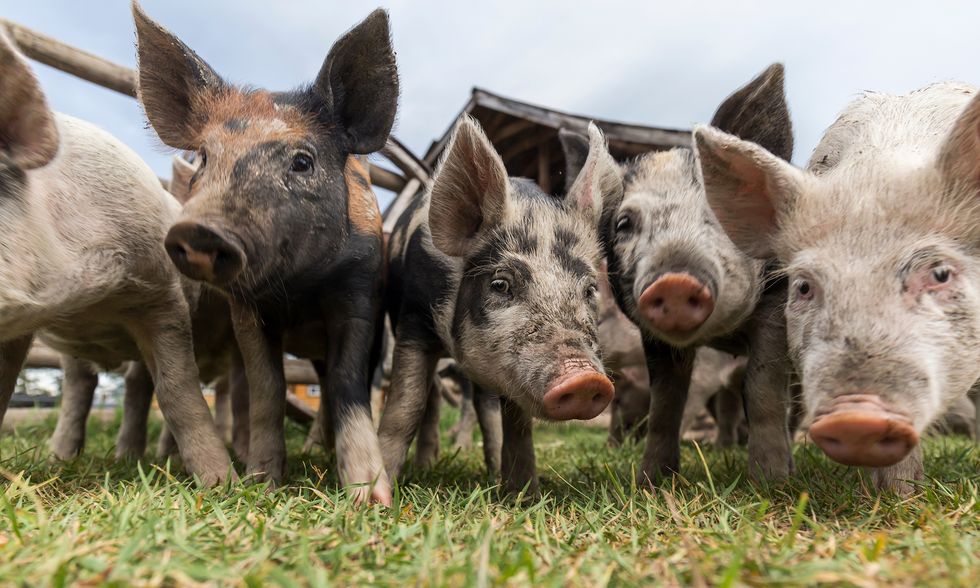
point(126, 452)
point(65, 450)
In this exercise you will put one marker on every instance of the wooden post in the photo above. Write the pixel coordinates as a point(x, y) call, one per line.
point(70, 60)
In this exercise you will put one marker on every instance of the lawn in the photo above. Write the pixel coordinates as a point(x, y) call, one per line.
point(94, 521)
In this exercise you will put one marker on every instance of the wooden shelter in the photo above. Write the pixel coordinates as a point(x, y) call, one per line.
point(526, 136)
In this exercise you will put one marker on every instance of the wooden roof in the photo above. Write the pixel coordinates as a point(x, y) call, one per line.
point(526, 136)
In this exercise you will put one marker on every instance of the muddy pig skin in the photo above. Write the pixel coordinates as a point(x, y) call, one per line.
point(679, 277)
point(502, 277)
point(82, 263)
point(281, 219)
point(880, 240)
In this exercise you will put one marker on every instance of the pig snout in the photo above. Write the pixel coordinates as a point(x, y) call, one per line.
point(579, 392)
point(204, 253)
point(862, 430)
point(676, 303)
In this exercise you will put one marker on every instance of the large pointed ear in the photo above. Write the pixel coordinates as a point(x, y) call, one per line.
point(469, 192)
point(359, 84)
point(172, 82)
point(180, 179)
point(758, 112)
point(599, 179)
point(747, 187)
point(575, 146)
point(27, 129)
point(959, 157)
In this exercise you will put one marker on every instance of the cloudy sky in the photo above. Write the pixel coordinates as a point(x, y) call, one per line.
point(648, 62)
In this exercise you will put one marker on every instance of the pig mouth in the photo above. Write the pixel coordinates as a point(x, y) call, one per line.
point(863, 430)
point(579, 392)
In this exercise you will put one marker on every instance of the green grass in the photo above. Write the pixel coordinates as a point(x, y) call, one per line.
point(94, 521)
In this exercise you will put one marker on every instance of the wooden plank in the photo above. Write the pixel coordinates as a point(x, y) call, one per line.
point(70, 60)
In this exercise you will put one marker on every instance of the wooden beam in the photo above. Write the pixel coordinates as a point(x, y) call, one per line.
point(400, 203)
point(70, 60)
point(544, 167)
point(526, 143)
point(386, 179)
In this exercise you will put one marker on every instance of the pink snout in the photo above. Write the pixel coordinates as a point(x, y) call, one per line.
point(861, 430)
point(578, 394)
point(676, 303)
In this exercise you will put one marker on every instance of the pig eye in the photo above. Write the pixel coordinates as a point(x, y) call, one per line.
point(624, 223)
point(203, 156)
point(804, 291)
point(592, 292)
point(941, 274)
point(302, 163)
point(500, 286)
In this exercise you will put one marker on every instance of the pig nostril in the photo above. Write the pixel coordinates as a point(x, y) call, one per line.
point(564, 398)
point(597, 398)
point(658, 302)
point(694, 301)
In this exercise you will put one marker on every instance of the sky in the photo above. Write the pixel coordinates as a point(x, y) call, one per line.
point(647, 62)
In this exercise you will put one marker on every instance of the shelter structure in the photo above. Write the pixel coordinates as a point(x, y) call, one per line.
point(526, 137)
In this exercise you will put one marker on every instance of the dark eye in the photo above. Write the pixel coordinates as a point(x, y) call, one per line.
point(500, 285)
point(592, 292)
point(941, 274)
point(803, 289)
point(623, 223)
point(302, 163)
point(203, 156)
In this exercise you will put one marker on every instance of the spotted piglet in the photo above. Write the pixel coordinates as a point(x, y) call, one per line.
point(502, 277)
point(680, 278)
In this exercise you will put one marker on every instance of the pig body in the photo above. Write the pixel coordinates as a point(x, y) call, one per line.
point(879, 236)
point(501, 277)
point(82, 265)
point(281, 218)
point(678, 276)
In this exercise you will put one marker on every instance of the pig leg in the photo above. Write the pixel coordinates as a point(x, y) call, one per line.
point(166, 444)
point(262, 356)
point(896, 478)
point(131, 440)
point(670, 377)
point(487, 406)
point(518, 470)
point(617, 428)
point(348, 380)
point(238, 386)
point(77, 392)
point(222, 408)
point(164, 337)
point(413, 368)
point(427, 442)
point(12, 356)
point(728, 409)
point(462, 431)
point(767, 377)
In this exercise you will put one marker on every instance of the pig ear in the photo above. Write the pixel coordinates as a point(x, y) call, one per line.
point(959, 158)
point(359, 84)
point(172, 81)
point(758, 112)
point(27, 128)
point(469, 192)
point(180, 180)
point(747, 188)
point(576, 148)
point(599, 179)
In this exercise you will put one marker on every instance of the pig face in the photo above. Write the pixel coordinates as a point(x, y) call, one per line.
point(524, 318)
point(674, 270)
point(269, 197)
point(879, 243)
